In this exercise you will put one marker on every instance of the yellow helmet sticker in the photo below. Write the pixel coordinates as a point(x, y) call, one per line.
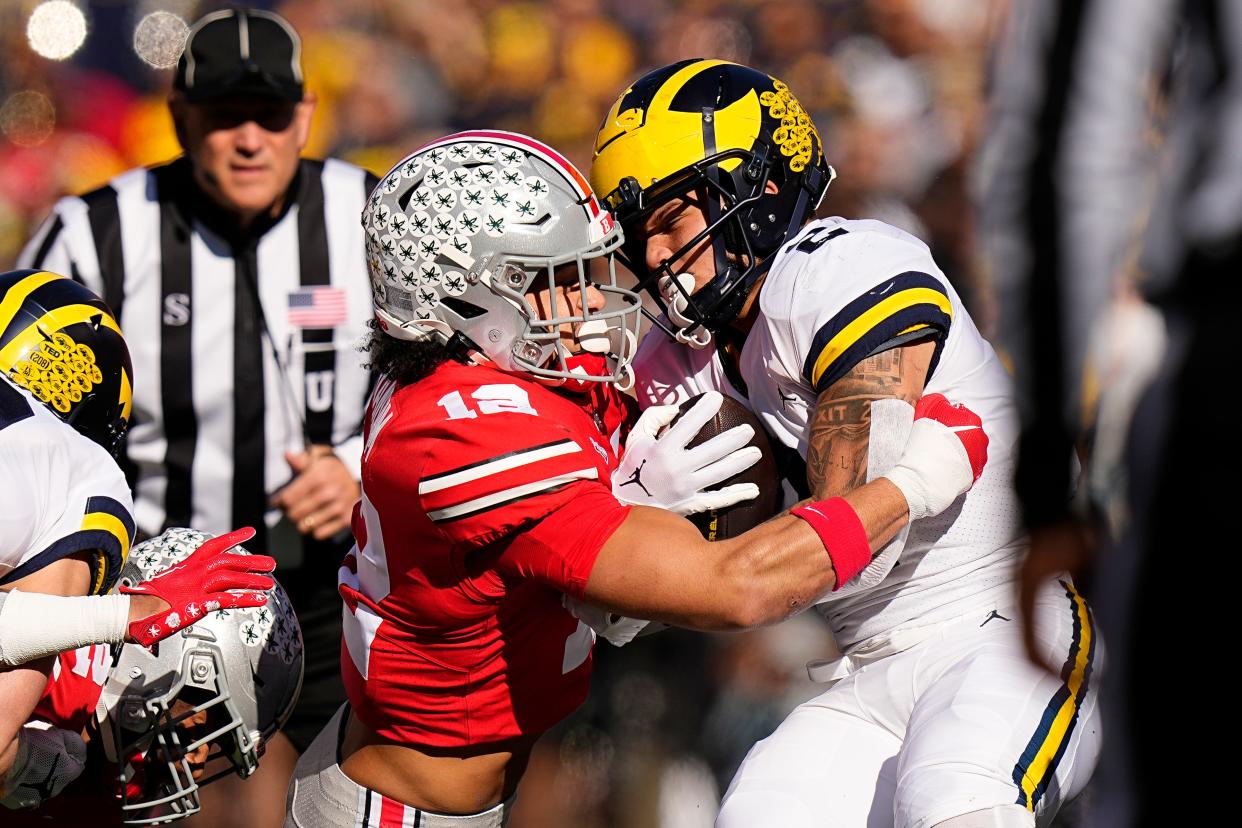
point(794, 134)
point(59, 372)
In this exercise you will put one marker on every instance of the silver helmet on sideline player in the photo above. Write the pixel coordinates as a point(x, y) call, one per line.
point(460, 231)
point(242, 668)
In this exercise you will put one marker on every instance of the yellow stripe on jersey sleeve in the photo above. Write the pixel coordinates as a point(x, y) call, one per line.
point(107, 528)
point(111, 525)
point(908, 303)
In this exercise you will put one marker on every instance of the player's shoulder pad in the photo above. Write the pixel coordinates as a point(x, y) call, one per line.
point(496, 468)
point(845, 289)
point(57, 446)
point(485, 439)
point(836, 259)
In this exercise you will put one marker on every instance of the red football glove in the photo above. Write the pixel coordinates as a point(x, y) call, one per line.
point(961, 421)
point(201, 584)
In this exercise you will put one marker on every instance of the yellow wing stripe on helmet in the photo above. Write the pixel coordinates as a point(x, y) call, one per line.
point(669, 89)
point(618, 122)
point(127, 396)
point(17, 294)
point(654, 144)
point(854, 331)
point(52, 321)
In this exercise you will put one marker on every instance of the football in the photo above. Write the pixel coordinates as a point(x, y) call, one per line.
point(718, 524)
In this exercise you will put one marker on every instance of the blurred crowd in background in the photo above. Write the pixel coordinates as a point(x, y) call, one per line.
point(896, 88)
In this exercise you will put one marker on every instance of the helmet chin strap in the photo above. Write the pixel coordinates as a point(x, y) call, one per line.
point(106, 738)
point(675, 292)
point(596, 336)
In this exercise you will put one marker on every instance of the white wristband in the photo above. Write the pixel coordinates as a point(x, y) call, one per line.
point(34, 625)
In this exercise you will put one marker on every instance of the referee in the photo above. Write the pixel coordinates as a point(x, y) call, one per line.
point(237, 272)
point(1078, 184)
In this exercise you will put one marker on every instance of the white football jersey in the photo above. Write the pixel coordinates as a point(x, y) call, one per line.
point(60, 494)
point(835, 294)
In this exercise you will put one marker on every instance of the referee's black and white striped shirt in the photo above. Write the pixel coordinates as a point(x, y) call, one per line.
point(224, 386)
point(1072, 185)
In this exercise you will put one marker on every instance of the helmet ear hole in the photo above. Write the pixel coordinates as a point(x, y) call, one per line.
point(465, 310)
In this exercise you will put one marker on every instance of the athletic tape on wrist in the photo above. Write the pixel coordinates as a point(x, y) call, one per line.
point(842, 534)
point(34, 625)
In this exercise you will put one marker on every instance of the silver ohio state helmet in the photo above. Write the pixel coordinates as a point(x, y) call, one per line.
point(460, 231)
point(243, 666)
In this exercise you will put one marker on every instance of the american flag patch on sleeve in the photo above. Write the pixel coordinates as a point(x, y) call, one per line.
point(320, 306)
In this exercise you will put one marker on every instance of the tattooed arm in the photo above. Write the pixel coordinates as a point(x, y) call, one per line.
point(836, 457)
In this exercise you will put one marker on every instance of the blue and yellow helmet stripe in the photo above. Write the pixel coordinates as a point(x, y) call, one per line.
point(655, 129)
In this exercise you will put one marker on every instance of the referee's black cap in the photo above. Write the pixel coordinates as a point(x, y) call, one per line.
point(237, 53)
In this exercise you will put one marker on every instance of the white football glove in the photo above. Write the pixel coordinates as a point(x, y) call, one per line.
point(658, 469)
point(617, 629)
point(48, 759)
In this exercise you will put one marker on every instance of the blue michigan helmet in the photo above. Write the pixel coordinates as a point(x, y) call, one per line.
point(733, 133)
point(60, 342)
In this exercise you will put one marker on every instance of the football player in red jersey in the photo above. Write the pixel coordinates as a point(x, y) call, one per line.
point(492, 491)
point(159, 723)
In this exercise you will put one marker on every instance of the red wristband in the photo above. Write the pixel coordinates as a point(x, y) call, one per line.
point(842, 534)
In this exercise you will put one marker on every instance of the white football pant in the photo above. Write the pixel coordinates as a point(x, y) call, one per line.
point(961, 723)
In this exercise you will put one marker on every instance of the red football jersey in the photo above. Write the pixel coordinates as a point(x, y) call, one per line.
point(73, 688)
point(485, 496)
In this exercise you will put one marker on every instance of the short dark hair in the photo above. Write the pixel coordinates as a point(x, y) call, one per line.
point(405, 361)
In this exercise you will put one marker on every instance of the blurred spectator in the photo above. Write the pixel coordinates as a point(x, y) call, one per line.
point(895, 84)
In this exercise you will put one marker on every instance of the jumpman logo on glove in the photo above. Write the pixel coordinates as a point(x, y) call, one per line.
point(636, 478)
point(46, 789)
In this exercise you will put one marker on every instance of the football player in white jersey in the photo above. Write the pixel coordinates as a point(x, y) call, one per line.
point(829, 331)
point(65, 516)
